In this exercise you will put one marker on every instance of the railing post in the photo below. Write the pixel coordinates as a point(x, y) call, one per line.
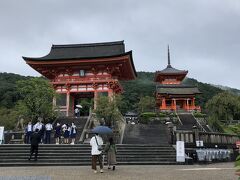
point(196, 134)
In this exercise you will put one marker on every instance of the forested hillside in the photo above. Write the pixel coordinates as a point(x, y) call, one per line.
point(8, 92)
point(133, 90)
point(145, 86)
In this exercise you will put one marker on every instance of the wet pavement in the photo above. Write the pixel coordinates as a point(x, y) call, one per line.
point(220, 171)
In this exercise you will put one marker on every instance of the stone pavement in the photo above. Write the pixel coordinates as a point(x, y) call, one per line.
point(221, 171)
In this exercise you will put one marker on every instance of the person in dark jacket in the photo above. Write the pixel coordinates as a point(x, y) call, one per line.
point(35, 140)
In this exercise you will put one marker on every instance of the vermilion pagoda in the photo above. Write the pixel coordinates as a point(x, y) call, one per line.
point(85, 70)
point(171, 94)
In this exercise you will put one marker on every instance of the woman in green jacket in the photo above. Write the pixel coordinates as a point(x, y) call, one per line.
point(111, 151)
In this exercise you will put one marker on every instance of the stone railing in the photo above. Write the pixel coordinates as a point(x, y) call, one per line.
point(206, 137)
point(121, 124)
point(14, 137)
point(87, 127)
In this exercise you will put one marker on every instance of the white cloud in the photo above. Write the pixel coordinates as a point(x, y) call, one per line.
point(203, 35)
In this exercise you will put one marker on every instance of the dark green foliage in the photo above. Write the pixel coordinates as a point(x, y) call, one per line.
point(224, 106)
point(147, 117)
point(144, 85)
point(107, 109)
point(8, 118)
point(37, 95)
point(133, 90)
point(86, 105)
point(199, 115)
point(8, 93)
point(146, 103)
point(232, 129)
point(207, 90)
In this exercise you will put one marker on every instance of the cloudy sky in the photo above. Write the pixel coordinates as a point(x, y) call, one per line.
point(204, 35)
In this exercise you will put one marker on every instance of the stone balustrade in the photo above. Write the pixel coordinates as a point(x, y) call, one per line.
point(206, 137)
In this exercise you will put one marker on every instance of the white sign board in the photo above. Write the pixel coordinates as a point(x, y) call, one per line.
point(1, 134)
point(180, 151)
point(199, 143)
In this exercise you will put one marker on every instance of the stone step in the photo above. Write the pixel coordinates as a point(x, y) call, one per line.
point(85, 145)
point(49, 156)
point(120, 159)
point(36, 163)
point(17, 155)
point(88, 153)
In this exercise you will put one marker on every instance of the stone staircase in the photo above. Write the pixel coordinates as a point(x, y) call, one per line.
point(79, 155)
point(188, 121)
point(145, 134)
point(79, 122)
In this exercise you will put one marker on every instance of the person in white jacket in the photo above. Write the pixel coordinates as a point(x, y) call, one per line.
point(96, 141)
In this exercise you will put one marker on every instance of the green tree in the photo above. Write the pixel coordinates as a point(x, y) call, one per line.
point(9, 118)
point(86, 105)
point(146, 103)
point(36, 95)
point(224, 106)
point(109, 109)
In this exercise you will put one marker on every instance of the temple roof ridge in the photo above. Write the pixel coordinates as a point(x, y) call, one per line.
point(88, 44)
point(79, 51)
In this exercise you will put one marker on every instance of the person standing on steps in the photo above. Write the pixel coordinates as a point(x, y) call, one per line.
point(57, 133)
point(76, 110)
point(39, 125)
point(73, 133)
point(96, 142)
point(66, 132)
point(35, 140)
point(48, 128)
point(29, 131)
point(111, 150)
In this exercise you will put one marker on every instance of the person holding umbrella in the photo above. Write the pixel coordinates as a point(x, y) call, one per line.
point(111, 150)
point(96, 142)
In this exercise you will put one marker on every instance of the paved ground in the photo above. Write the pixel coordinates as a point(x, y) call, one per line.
point(222, 171)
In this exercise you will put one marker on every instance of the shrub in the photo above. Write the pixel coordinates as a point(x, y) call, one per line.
point(199, 115)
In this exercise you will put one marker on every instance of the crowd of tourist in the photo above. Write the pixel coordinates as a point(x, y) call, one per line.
point(63, 133)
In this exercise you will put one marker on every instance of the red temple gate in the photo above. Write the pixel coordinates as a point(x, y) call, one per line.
point(85, 71)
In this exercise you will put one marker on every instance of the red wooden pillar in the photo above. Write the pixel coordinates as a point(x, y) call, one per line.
point(184, 103)
point(172, 106)
point(187, 108)
point(67, 102)
point(95, 98)
point(193, 103)
point(163, 103)
point(110, 94)
point(175, 104)
point(73, 99)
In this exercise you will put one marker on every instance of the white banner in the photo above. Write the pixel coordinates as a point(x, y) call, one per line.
point(199, 143)
point(1, 134)
point(180, 151)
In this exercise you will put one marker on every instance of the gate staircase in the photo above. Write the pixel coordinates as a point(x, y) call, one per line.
point(80, 155)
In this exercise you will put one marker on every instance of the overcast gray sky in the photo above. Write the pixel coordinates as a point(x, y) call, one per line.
point(204, 35)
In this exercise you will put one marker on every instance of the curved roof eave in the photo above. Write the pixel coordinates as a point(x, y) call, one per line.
point(74, 58)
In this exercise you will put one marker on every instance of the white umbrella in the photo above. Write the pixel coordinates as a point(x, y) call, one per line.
point(79, 106)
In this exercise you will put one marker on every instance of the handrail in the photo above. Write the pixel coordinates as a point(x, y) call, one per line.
point(179, 118)
point(198, 123)
point(82, 137)
point(123, 130)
